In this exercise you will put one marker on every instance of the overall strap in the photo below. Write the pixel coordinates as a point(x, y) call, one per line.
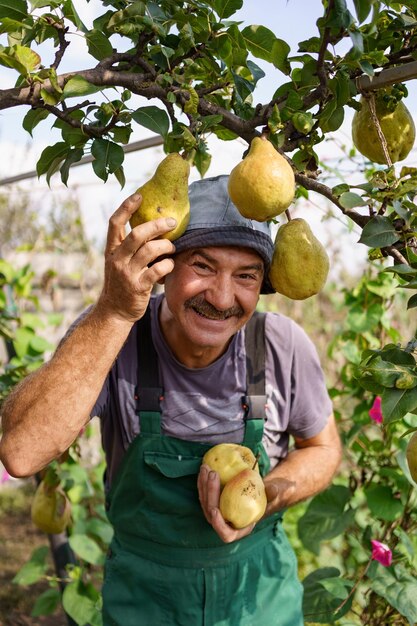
point(148, 391)
point(255, 399)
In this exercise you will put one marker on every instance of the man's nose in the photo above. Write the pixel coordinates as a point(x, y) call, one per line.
point(220, 293)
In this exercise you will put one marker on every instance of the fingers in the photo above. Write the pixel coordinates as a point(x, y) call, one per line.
point(144, 244)
point(117, 224)
point(155, 273)
point(272, 496)
point(209, 489)
point(116, 233)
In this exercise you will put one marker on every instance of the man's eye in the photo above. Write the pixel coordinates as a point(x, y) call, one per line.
point(200, 265)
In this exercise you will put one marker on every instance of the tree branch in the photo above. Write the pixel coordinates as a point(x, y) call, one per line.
point(313, 185)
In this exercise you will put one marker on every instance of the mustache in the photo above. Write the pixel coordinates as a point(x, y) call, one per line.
point(200, 305)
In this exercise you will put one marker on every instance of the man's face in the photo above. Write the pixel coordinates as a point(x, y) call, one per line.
point(210, 295)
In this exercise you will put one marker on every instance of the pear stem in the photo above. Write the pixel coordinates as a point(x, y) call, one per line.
point(258, 456)
point(288, 215)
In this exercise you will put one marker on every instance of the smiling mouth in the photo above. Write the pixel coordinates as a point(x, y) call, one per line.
point(214, 318)
point(207, 311)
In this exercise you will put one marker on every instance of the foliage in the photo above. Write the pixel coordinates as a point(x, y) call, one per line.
point(374, 498)
point(20, 329)
point(90, 531)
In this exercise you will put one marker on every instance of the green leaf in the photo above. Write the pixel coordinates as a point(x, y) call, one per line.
point(226, 8)
point(99, 46)
point(87, 549)
point(39, 345)
point(402, 269)
point(279, 56)
point(80, 602)
point(349, 200)
point(70, 13)
point(362, 8)
point(33, 570)
point(397, 402)
point(323, 592)
point(73, 156)
point(412, 302)
point(108, 157)
point(202, 160)
point(27, 57)
point(32, 118)
point(382, 503)
point(13, 9)
point(153, 118)
point(100, 529)
point(339, 16)
point(378, 233)
point(259, 41)
point(49, 156)
point(46, 603)
point(399, 589)
point(77, 86)
point(361, 319)
point(326, 517)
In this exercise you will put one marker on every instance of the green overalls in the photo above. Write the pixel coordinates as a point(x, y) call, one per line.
point(166, 565)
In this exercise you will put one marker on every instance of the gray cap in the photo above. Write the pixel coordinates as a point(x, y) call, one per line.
point(215, 221)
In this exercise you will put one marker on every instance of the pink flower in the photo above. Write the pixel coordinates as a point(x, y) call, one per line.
point(375, 412)
point(4, 477)
point(381, 553)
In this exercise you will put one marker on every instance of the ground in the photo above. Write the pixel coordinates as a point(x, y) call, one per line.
point(18, 538)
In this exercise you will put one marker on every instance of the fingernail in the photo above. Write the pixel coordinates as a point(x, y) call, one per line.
point(136, 197)
point(171, 222)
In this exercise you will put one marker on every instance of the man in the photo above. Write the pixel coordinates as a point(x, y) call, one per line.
point(170, 376)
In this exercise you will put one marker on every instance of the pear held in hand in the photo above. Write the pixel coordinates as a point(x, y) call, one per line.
point(300, 264)
point(262, 185)
point(166, 195)
point(228, 459)
point(51, 509)
point(243, 500)
point(411, 454)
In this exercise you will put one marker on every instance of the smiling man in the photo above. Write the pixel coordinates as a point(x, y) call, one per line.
point(171, 375)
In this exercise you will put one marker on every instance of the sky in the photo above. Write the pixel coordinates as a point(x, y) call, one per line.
point(291, 20)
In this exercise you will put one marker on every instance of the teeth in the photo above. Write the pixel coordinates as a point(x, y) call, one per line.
point(207, 316)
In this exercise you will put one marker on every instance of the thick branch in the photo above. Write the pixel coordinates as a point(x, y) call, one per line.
point(99, 76)
point(313, 185)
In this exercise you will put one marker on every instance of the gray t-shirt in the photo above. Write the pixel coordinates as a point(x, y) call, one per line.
point(204, 404)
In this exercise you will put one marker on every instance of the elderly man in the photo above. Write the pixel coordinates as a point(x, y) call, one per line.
point(171, 375)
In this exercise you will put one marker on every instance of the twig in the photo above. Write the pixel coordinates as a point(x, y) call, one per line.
point(370, 99)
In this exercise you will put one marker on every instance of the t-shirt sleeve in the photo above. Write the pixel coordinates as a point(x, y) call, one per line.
point(305, 403)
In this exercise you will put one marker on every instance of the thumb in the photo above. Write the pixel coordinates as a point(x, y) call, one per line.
point(272, 491)
point(272, 496)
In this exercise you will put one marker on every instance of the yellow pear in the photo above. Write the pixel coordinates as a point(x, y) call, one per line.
point(243, 500)
point(262, 185)
point(411, 454)
point(397, 127)
point(228, 459)
point(51, 509)
point(300, 264)
point(166, 195)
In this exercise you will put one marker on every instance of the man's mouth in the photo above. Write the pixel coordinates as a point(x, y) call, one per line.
point(208, 311)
